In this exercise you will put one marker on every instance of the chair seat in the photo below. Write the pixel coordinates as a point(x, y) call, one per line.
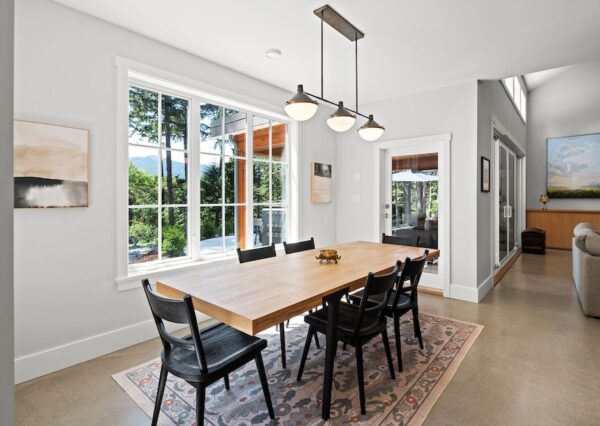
point(346, 321)
point(404, 301)
point(223, 346)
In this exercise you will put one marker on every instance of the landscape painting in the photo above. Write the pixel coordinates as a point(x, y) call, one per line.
point(574, 166)
point(50, 165)
point(320, 183)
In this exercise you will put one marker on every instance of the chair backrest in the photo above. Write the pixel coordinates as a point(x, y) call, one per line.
point(413, 268)
point(299, 246)
point(409, 238)
point(179, 312)
point(376, 294)
point(256, 254)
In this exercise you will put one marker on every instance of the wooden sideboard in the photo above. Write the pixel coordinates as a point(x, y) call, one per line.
point(559, 224)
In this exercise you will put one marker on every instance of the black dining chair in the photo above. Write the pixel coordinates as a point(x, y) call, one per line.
point(290, 248)
point(407, 238)
point(357, 324)
point(203, 357)
point(259, 253)
point(402, 300)
point(299, 246)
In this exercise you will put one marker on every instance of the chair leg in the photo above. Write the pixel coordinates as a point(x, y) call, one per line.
point(287, 324)
point(263, 381)
point(200, 396)
point(282, 341)
point(417, 326)
point(388, 353)
point(315, 335)
point(305, 352)
point(344, 346)
point(162, 381)
point(226, 380)
point(361, 378)
point(398, 341)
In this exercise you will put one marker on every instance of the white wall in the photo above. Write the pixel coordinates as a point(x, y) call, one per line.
point(450, 109)
point(67, 307)
point(7, 408)
point(566, 105)
point(493, 103)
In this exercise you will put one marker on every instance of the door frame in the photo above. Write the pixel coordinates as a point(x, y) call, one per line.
point(439, 143)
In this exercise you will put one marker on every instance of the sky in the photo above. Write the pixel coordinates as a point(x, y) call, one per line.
point(574, 161)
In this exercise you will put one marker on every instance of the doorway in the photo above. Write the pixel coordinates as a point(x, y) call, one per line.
point(414, 193)
point(508, 206)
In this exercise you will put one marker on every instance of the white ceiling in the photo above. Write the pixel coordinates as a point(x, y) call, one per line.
point(409, 45)
point(537, 79)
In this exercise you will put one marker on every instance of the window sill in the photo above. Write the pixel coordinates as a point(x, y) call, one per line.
point(134, 279)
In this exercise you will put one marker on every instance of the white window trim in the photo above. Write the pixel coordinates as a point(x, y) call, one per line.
point(131, 72)
point(522, 116)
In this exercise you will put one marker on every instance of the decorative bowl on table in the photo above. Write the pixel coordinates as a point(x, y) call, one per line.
point(328, 256)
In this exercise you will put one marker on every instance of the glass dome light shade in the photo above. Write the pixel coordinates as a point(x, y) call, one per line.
point(341, 120)
point(301, 107)
point(371, 130)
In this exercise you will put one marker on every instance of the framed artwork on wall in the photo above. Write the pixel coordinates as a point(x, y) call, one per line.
point(50, 165)
point(485, 174)
point(573, 166)
point(320, 183)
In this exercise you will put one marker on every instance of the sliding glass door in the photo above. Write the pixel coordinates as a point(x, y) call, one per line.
point(507, 176)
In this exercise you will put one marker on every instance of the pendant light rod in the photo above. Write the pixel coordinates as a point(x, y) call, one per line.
point(356, 68)
point(334, 103)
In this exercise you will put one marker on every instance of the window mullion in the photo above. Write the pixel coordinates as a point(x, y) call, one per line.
point(160, 153)
point(222, 161)
point(194, 178)
point(250, 182)
point(270, 182)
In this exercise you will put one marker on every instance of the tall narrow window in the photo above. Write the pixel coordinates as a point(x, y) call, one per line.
point(517, 93)
point(270, 181)
point(222, 179)
point(158, 176)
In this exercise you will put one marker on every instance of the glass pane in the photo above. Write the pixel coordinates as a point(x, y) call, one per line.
point(174, 177)
point(143, 116)
point(261, 182)
point(235, 227)
point(260, 217)
point(279, 224)
point(261, 138)
point(211, 230)
point(508, 82)
point(503, 200)
point(279, 141)
point(143, 235)
point(174, 122)
point(235, 133)
point(235, 181)
point(523, 106)
point(279, 180)
point(210, 179)
point(211, 128)
point(143, 176)
point(174, 232)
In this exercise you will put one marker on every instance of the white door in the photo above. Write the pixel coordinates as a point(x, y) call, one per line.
point(412, 202)
point(507, 205)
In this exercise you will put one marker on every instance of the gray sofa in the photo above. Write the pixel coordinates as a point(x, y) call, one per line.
point(586, 267)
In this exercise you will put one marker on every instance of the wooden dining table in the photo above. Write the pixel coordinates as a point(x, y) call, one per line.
point(255, 296)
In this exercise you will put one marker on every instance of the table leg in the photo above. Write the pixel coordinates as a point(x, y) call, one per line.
point(333, 303)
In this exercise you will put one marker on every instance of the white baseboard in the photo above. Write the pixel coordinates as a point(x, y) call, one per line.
point(37, 364)
point(472, 294)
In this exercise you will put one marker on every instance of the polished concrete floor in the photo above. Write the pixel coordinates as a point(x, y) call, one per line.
point(537, 362)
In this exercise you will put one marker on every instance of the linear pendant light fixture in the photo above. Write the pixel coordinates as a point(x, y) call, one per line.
point(303, 105)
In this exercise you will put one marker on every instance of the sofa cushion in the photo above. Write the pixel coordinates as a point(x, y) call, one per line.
point(592, 243)
point(580, 228)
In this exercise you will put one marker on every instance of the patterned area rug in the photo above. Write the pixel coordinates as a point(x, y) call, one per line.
point(407, 400)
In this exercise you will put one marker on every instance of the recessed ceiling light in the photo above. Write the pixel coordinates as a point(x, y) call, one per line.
point(272, 53)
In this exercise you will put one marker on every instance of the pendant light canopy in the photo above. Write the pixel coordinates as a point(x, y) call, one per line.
point(371, 130)
point(341, 120)
point(301, 107)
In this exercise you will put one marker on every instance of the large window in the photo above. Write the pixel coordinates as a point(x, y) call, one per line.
point(518, 94)
point(202, 186)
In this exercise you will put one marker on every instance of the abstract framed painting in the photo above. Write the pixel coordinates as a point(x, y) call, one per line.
point(573, 167)
point(320, 183)
point(50, 165)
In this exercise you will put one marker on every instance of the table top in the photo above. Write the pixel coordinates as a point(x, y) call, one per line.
point(257, 295)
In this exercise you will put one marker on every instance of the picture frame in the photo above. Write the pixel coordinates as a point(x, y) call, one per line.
point(485, 174)
point(51, 165)
point(321, 176)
